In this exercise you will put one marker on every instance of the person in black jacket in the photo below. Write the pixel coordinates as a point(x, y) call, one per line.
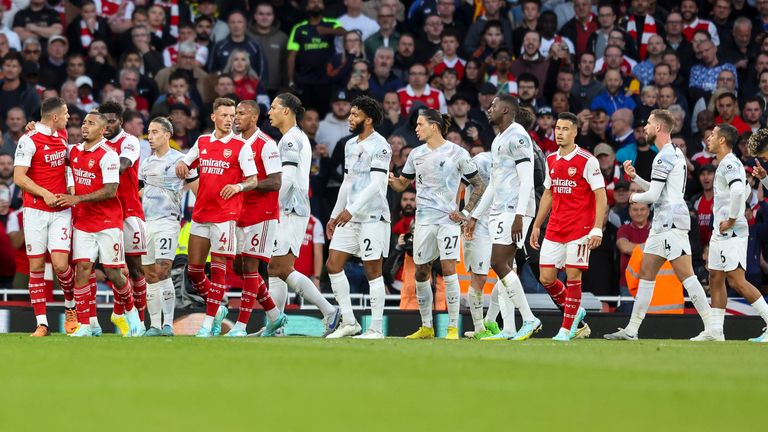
point(86, 28)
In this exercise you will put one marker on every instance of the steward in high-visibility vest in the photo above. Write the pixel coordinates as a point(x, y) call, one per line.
point(182, 248)
point(668, 295)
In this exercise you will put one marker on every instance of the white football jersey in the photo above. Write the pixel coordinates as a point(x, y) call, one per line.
point(360, 159)
point(730, 171)
point(162, 189)
point(437, 173)
point(295, 150)
point(483, 163)
point(511, 147)
point(670, 210)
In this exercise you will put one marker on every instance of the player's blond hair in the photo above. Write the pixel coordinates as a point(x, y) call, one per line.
point(664, 117)
point(758, 142)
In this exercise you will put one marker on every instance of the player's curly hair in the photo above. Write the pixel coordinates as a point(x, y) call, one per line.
point(525, 118)
point(112, 107)
point(758, 142)
point(443, 121)
point(370, 107)
point(293, 103)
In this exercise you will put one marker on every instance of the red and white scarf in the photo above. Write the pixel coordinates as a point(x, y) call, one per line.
point(649, 29)
point(86, 36)
point(172, 10)
point(107, 8)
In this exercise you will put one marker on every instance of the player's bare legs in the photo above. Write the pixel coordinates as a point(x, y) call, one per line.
point(138, 282)
point(283, 275)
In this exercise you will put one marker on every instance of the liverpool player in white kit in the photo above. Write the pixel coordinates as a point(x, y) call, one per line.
point(359, 223)
point(161, 199)
point(575, 194)
point(728, 245)
point(134, 230)
point(437, 167)
point(41, 172)
point(98, 222)
point(226, 169)
point(296, 157)
point(257, 224)
point(668, 240)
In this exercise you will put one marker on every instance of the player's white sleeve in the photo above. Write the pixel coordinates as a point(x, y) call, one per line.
point(247, 164)
point(467, 166)
point(270, 156)
point(130, 149)
point(381, 158)
point(651, 195)
point(70, 178)
point(592, 174)
point(525, 173)
point(486, 200)
point(288, 179)
point(25, 149)
point(110, 167)
point(192, 155)
point(764, 182)
point(341, 199)
point(378, 181)
point(643, 183)
point(662, 166)
point(547, 179)
point(290, 151)
point(738, 197)
point(409, 171)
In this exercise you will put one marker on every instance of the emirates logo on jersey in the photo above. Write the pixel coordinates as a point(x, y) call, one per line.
point(572, 171)
point(227, 153)
point(91, 163)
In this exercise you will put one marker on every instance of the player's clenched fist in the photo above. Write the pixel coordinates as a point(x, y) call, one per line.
point(182, 170)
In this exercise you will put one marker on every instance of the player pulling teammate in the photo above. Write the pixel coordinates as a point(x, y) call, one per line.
point(41, 172)
point(226, 169)
point(296, 157)
point(359, 223)
point(575, 193)
point(668, 239)
point(512, 202)
point(134, 230)
point(257, 224)
point(437, 167)
point(161, 199)
point(98, 222)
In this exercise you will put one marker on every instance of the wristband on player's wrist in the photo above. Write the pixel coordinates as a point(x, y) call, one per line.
point(240, 185)
point(595, 232)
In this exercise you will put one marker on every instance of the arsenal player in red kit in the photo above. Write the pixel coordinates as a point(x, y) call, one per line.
point(98, 222)
point(134, 230)
point(257, 224)
point(575, 192)
point(40, 171)
point(223, 161)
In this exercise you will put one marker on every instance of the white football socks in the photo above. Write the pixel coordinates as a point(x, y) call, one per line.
point(492, 314)
point(42, 320)
point(517, 295)
point(378, 298)
point(155, 304)
point(424, 296)
point(340, 287)
point(699, 299)
point(168, 299)
point(304, 287)
point(278, 290)
point(475, 300)
point(452, 299)
point(507, 308)
point(640, 308)
point(762, 308)
point(717, 320)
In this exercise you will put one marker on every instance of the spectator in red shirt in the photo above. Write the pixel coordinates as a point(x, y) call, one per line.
point(728, 112)
point(630, 235)
point(704, 202)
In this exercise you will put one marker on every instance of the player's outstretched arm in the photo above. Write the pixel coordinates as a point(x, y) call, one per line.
point(545, 205)
point(629, 170)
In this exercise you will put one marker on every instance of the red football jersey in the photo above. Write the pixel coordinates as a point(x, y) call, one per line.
point(127, 146)
point(572, 179)
point(261, 206)
point(219, 162)
point(16, 223)
point(45, 153)
point(92, 169)
point(431, 98)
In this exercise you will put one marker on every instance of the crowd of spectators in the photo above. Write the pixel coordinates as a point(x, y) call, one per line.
point(610, 62)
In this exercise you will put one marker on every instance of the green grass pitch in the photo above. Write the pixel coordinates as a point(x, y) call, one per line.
point(286, 384)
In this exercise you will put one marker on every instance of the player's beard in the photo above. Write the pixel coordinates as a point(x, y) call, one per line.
point(357, 129)
point(650, 139)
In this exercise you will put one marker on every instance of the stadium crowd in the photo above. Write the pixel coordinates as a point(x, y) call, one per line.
point(610, 62)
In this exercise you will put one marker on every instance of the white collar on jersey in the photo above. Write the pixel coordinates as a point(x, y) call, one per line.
point(45, 130)
point(251, 139)
point(570, 155)
point(81, 146)
point(118, 136)
point(223, 140)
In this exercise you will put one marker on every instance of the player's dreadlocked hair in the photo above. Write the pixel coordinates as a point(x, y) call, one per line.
point(111, 107)
point(370, 107)
point(443, 121)
point(758, 142)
